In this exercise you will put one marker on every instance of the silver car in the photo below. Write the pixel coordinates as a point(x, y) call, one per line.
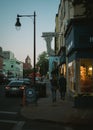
point(15, 87)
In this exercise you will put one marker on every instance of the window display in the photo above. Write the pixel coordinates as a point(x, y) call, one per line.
point(86, 75)
point(63, 69)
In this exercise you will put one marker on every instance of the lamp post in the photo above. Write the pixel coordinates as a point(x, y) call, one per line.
point(18, 25)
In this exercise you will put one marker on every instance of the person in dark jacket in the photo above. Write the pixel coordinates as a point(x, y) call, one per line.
point(54, 87)
point(62, 86)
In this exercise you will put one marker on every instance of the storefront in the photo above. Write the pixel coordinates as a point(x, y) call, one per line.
point(79, 52)
point(62, 65)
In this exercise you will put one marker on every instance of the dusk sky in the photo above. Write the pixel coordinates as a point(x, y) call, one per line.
point(21, 42)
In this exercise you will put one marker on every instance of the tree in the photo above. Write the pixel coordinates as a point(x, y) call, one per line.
point(43, 63)
point(27, 72)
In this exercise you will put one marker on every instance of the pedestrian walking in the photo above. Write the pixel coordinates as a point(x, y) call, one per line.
point(62, 86)
point(54, 86)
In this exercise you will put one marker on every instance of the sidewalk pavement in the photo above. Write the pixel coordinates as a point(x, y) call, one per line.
point(61, 111)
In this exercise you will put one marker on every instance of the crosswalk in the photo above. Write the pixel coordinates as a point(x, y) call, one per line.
point(9, 118)
point(8, 112)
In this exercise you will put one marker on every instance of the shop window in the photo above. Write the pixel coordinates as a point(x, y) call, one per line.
point(63, 69)
point(71, 76)
point(86, 75)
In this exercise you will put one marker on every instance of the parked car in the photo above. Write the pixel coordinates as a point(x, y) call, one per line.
point(11, 79)
point(26, 80)
point(16, 87)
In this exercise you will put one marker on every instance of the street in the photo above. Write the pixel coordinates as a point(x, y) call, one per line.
point(11, 119)
point(9, 111)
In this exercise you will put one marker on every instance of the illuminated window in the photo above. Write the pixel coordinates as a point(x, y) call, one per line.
point(71, 75)
point(86, 75)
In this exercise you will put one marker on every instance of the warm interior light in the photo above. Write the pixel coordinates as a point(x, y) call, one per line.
point(82, 72)
point(90, 68)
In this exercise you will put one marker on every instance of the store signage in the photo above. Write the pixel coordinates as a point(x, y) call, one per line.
point(30, 95)
point(70, 45)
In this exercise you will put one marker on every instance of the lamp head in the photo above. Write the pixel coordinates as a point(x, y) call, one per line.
point(17, 24)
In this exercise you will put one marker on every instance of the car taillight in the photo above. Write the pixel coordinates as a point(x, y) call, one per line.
point(22, 87)
point(7, 87)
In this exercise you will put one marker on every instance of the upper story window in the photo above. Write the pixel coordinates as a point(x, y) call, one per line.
point(12, 66)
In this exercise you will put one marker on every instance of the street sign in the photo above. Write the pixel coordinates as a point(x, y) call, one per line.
point(31, 95)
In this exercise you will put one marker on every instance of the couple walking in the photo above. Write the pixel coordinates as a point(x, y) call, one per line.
point(58, 84)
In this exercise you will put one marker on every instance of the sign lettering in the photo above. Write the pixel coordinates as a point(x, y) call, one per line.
point(70, 45)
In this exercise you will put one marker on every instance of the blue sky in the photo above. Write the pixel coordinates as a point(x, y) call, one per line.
point(21, 42)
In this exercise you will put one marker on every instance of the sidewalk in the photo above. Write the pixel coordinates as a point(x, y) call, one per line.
point(62, 111)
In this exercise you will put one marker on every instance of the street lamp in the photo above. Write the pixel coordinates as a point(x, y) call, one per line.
point(18, 25)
